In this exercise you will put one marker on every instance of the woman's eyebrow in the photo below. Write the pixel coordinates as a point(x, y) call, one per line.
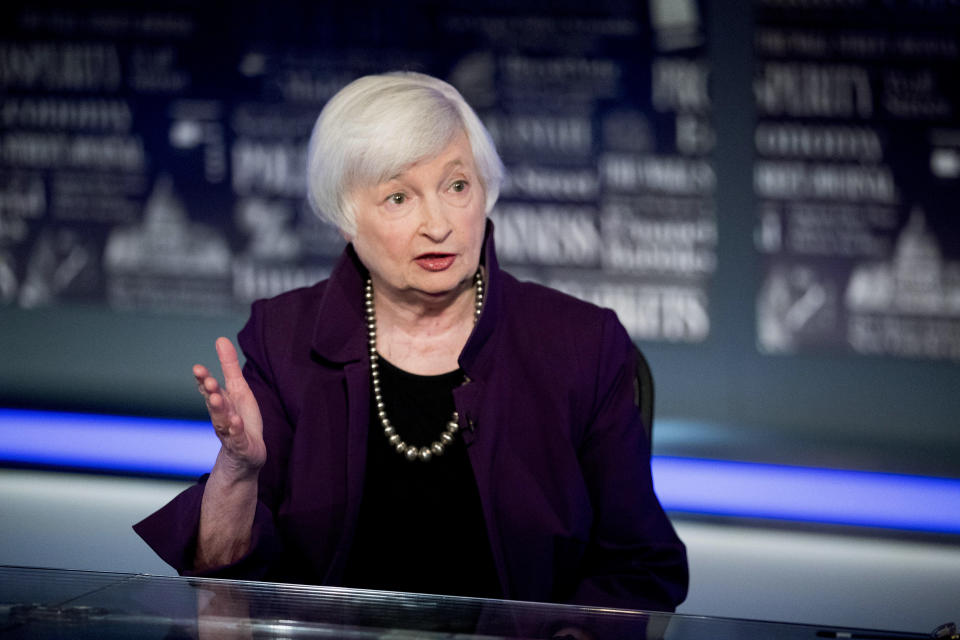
point(450, 164)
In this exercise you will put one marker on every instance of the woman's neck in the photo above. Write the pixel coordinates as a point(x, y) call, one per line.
point(424, 336)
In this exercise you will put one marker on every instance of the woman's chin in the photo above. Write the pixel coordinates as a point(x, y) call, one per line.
point(443, 284)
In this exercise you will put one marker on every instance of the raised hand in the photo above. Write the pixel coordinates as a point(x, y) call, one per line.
point(234, 413)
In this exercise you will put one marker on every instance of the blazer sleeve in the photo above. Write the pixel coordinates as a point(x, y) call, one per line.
point(634, 558)
point(172, 530)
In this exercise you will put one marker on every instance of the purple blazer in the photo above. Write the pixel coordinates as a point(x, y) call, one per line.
point(561, 460)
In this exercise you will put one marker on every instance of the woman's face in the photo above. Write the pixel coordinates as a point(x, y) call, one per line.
point(420, 232)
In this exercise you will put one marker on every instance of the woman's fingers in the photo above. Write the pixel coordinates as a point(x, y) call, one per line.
point(200, 372)
point(207, 385)
point(211, 385)
point(232, 407)
point(222, 413)
point(236, 388)
point(229, 362)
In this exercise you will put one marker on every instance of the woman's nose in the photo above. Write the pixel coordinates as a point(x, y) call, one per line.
point(435, 221)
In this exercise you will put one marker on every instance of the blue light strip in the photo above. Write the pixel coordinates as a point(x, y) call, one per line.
point(102, 442)
point(833, 496)
point(188, 449)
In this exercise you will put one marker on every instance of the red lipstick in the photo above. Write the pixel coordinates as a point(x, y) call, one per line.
point(435, 261)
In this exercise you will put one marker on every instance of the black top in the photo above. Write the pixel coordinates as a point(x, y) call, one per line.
point(421, 525)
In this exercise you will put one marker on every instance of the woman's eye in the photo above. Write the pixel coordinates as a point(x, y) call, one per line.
point(397, 198)
point(459, 186)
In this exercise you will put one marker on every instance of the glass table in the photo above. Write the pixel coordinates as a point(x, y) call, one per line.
point(53, 603)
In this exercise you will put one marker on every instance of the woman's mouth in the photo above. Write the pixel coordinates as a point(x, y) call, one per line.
point(435, 261)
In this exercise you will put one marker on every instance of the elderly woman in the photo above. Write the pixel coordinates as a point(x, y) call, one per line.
point(422, 421)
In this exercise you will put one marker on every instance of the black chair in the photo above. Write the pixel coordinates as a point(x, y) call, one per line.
point(643, 393)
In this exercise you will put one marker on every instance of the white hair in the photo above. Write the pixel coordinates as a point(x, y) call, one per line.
point(378, 125)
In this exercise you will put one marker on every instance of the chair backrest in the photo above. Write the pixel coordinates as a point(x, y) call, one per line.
point(643, 393)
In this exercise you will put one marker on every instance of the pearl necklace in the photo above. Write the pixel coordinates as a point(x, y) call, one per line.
point(446, 438)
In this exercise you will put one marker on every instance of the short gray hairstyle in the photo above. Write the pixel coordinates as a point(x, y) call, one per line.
point(376, 126)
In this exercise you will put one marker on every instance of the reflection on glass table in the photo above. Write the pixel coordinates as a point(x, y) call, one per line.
point(53, 603)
